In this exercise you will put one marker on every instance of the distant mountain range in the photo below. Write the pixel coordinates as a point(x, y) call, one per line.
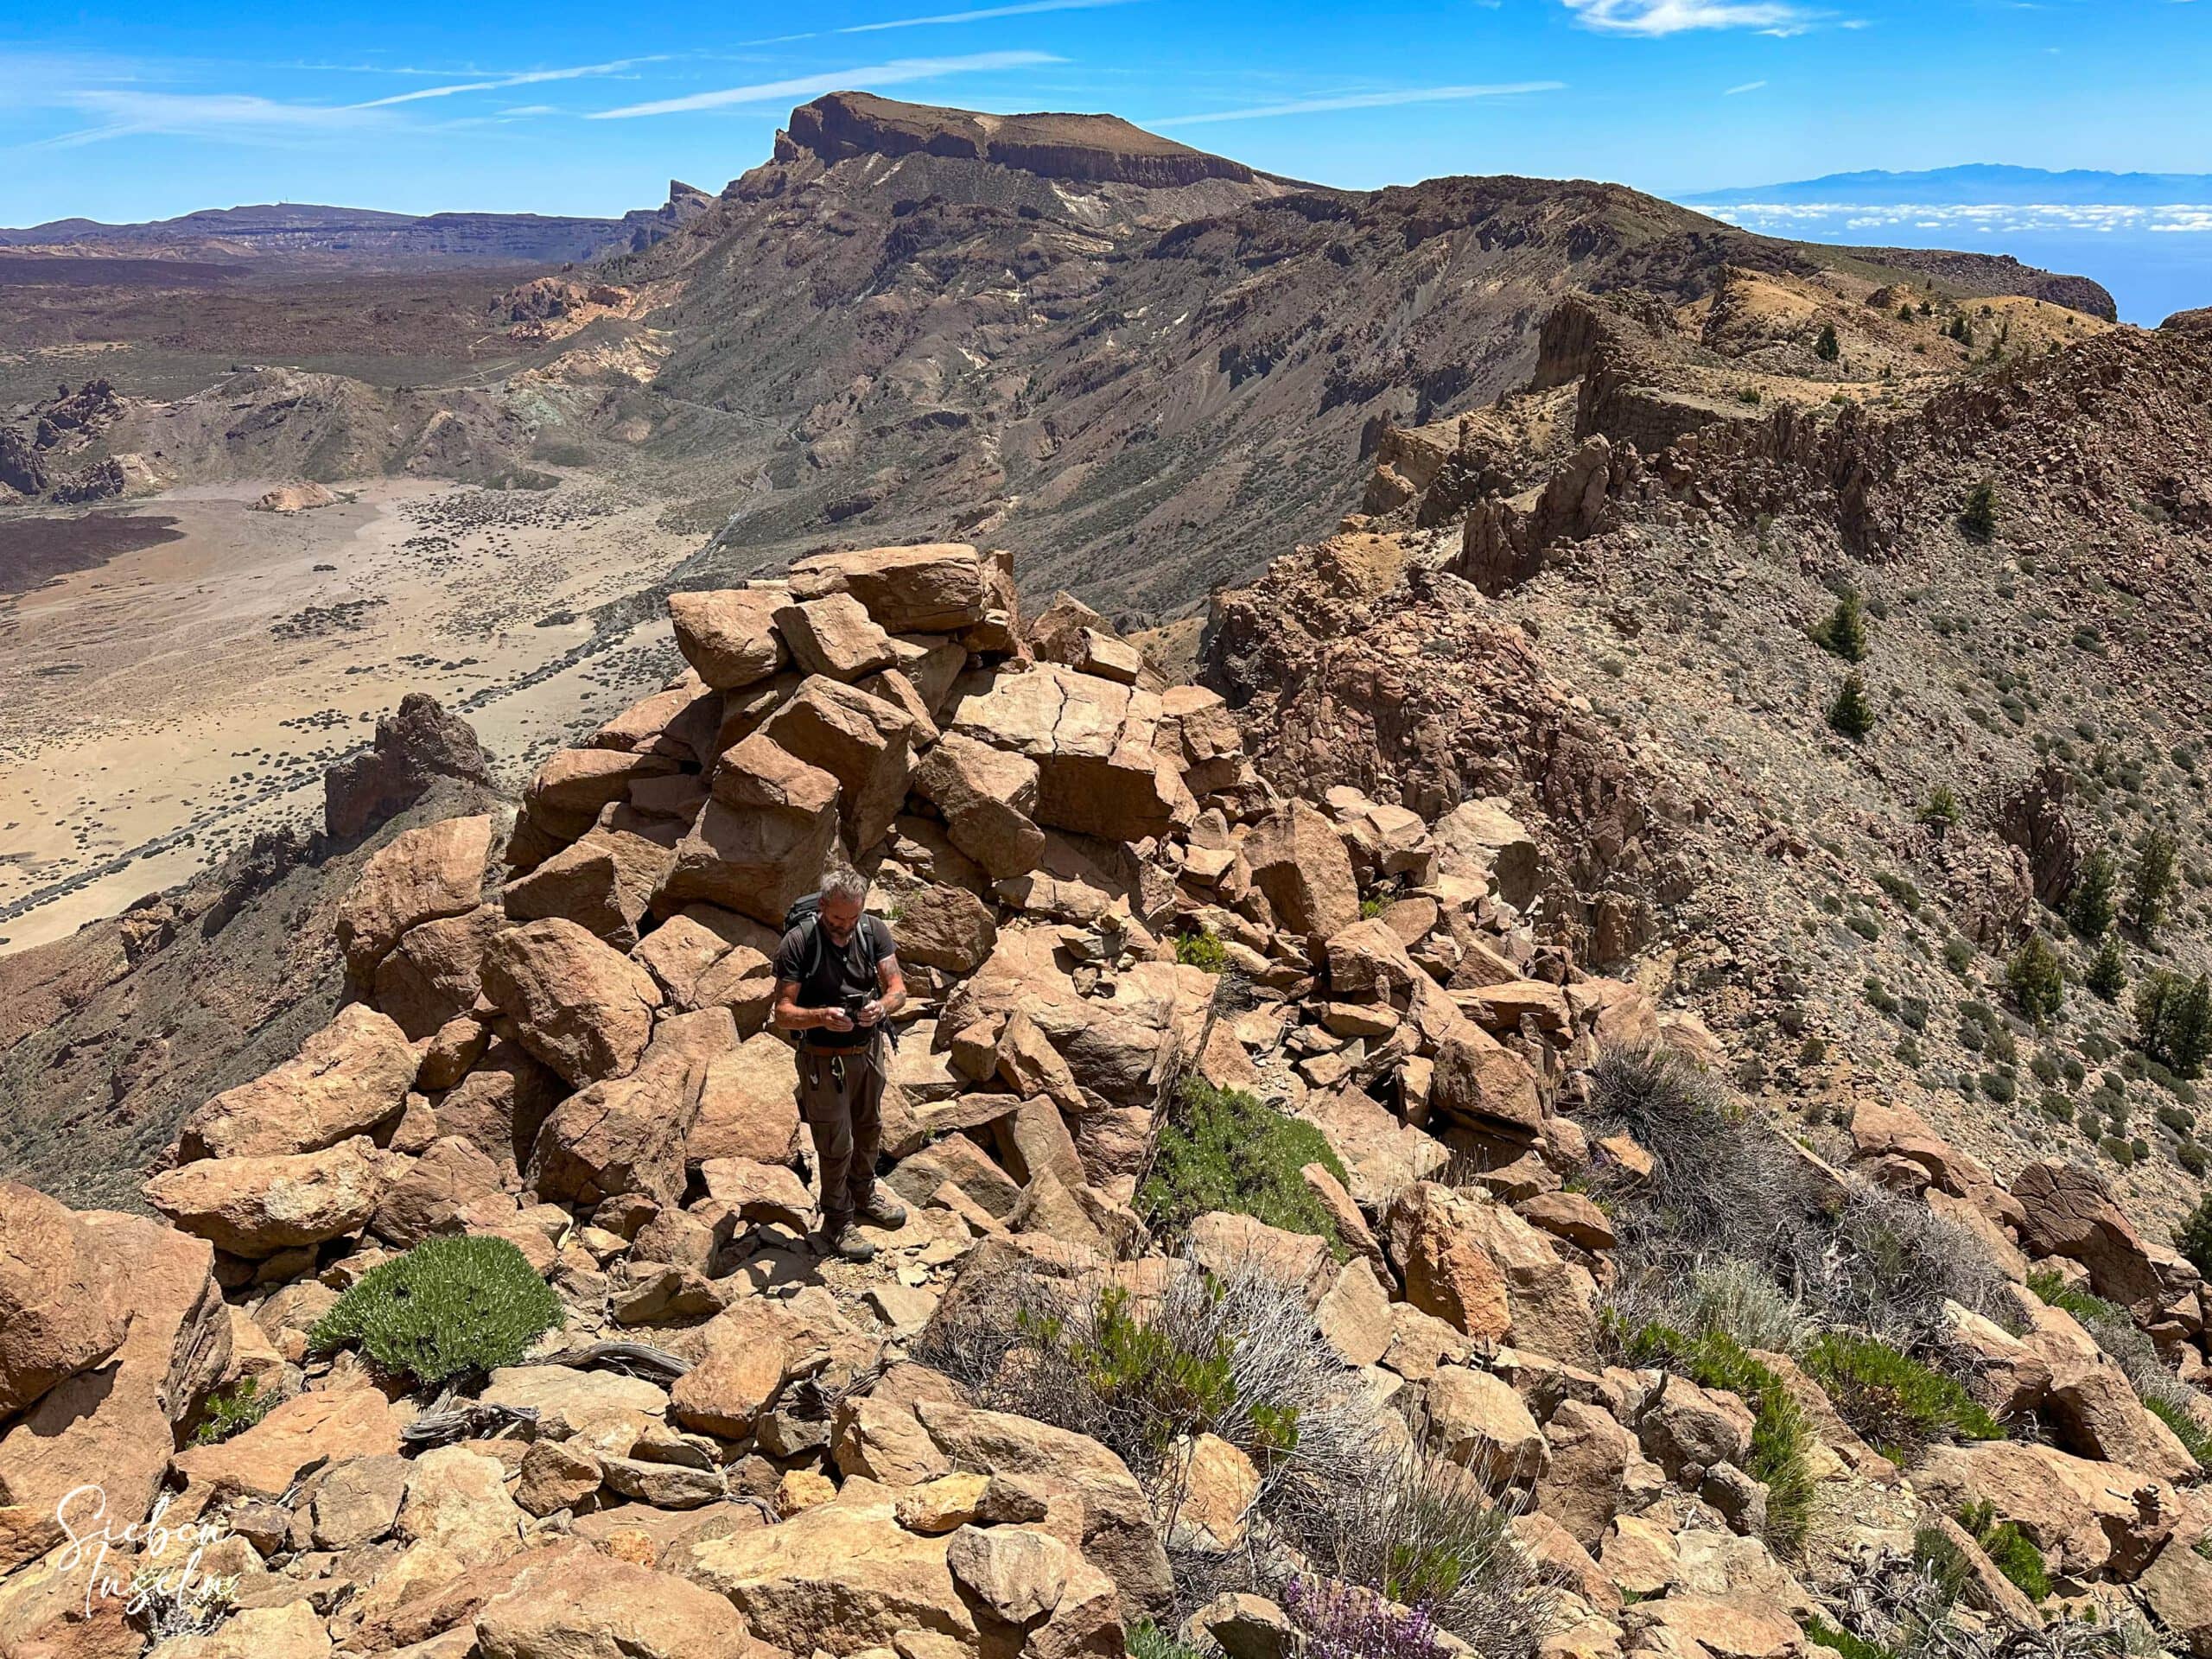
point(364, 235)
point(1978, 183)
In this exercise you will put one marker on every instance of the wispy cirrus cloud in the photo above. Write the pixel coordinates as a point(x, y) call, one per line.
point(1748, 86)
point(899, 72)
point(1676, 17)
point(1363, 101)
point(1025, 9)
point(521, 78)
point(237, 116)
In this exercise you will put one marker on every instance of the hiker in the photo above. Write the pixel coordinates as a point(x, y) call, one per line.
point(837, 985)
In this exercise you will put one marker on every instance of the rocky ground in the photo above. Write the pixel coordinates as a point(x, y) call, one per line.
point(1304, 1251)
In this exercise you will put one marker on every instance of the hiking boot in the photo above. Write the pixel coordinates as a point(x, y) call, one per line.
point(837, 1238)
point(882, 1210)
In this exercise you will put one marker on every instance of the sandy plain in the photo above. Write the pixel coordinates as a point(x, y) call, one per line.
point(161, 708)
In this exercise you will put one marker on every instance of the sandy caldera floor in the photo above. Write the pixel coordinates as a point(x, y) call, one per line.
point(163, 708)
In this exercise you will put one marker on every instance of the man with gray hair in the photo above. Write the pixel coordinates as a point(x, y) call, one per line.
point(837, 985)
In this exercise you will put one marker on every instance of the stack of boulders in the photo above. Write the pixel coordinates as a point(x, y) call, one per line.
point(729, 1447)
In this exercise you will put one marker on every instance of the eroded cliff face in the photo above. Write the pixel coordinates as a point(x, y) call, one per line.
point(1081, 149)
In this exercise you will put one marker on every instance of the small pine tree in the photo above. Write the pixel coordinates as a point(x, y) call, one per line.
point(1940, 815)
point(2037, 980)
point(1845, 631)
point(1905, 313)
point(1851, 714)
point(1827, 347)
point(1980, 518)
point(2107, 974)
point(2173, 1021)
point(2193, 1238)
point(2091, 907)
point(2152, 883)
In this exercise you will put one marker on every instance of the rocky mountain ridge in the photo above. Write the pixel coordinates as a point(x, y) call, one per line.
point(303, 233)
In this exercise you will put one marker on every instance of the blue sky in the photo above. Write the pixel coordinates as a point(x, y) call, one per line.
point(137, 110)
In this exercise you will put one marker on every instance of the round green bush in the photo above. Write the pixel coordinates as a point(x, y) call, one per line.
point(450, 1306)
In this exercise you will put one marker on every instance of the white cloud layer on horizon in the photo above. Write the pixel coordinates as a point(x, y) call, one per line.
point(2008, 218)
point(1675, 17)
point(897, 72)
point(1362, 101)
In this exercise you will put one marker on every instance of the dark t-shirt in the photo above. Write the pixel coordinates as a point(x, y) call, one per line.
point(828, 977)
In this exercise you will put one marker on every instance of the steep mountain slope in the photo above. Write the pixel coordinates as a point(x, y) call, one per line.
point(1674, 566)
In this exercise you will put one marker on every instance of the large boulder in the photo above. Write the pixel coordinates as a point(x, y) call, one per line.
point(762, 841)
point(987, 797)
point(349, 1078)
point(255, 1207)
point(1298, 862)
point(748, 1104)
point(1435, 1245)
point(108, 1432)
point(1119, 1535)
point(863, 742)
point(1479, 1083)
point(2066, 1211)
point(603, 882)
point(419, 876)
point(302, 1434)
point(61, 1312)
point(584, 1604)
point(729, 637)
point(2077, 1512)
point(935, 588)
point(839, 1578)
point(627, 1134)
point(1099, 772)
point(578, 1004)
point(434, 1193)
point(436, 972)
point(835, 636)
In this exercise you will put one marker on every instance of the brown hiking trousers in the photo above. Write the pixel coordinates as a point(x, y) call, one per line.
point(841, 1097)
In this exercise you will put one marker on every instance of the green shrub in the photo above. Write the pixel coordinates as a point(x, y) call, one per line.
point(1148, 1641)
point(1370, 908)
point(1779, 1436)
point(1226, 1149)
point(1958, 954)
point(2037, 980)
point(448, 1307)
point(2186, 1428)
point(232, 1411)
point(1851, 714)
point(1898, 1405)
point(1823, 1634)
point(1844, 632)
point(2107, 974)
point(1826, 347)
point(2008, 1549)
point(1201, 948)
